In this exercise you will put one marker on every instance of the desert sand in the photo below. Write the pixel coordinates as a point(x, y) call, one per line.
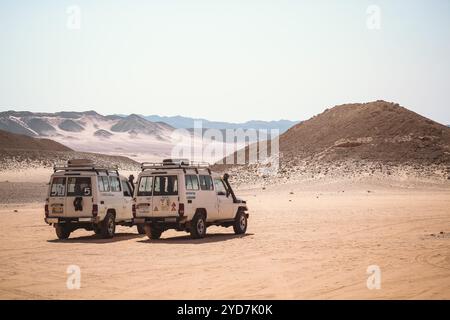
point(306, 240)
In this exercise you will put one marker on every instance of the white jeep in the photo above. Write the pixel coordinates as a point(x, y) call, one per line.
point(185, 196)
point(82, 195)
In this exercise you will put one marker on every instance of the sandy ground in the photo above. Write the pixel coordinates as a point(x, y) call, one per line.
point(303, 242)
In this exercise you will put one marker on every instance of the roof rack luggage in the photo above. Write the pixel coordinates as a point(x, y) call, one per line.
point(174, 164)
point(84, 165)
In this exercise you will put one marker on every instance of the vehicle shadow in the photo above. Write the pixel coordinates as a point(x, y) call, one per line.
point(209, 238)
point(94, 238)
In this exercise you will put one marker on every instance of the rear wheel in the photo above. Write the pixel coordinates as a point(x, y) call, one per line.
point(198, 226)
point(108, 227)
point(62, 231)
point(152, 232)
point(140, 229)
point(240, 223)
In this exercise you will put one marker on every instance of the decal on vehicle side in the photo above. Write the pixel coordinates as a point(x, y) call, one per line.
point(165, 203)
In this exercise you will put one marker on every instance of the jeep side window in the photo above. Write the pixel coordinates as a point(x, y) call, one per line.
point(191, 182)
point(126, 188)
point(206, 182)
point(165, 186)
point(115, 184)
point(145, 187)
point(79, 187)
point(103, 184)
point(220, 187)
point(58, 187)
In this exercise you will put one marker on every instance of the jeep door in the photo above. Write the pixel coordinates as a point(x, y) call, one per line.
point(79, 196)
point(127, 200)
point(57, 196)
point(225, 201)
point(165, 196)
point(143, 194)
point(194, 198)
point(207, 197)
point(117, 198)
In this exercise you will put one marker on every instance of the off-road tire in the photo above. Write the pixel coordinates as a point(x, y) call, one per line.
point(140, 229)
point(240, 223)
point(97, 229)
point(198, 226)
point(62, 231)
point(108, 227)
point(152, 232)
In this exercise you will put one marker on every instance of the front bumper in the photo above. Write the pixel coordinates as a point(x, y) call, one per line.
point(90, 220)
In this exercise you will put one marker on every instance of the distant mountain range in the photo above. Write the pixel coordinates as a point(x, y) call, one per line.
point(131, 136)
point(65, 124)
point(140, 138)
point(188, 123)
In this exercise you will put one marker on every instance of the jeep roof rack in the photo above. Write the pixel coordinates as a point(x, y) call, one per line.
point(88, 167)
point(175, 164)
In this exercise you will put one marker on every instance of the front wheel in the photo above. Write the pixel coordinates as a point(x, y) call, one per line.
point(240, 223)
point(108, 226)
point(62, 231)
point(198, 227)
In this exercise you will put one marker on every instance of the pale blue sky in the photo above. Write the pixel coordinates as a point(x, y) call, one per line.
point(224, 60)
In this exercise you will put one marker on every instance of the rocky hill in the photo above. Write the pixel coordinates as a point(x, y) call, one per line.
point(377, 131)
point(13, 141)
point(24, 152)
point(358, 139)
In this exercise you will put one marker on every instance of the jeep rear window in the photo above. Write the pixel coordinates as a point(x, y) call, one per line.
point(58, 187)
point(165, 186)
point(206, 182)
point(191, 182)
point(79, 187)
point(145, 187)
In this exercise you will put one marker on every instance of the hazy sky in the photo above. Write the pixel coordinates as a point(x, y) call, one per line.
point(224, 60)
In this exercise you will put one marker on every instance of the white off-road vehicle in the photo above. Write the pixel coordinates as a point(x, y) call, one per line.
point(185, 196)
point(82, 195)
